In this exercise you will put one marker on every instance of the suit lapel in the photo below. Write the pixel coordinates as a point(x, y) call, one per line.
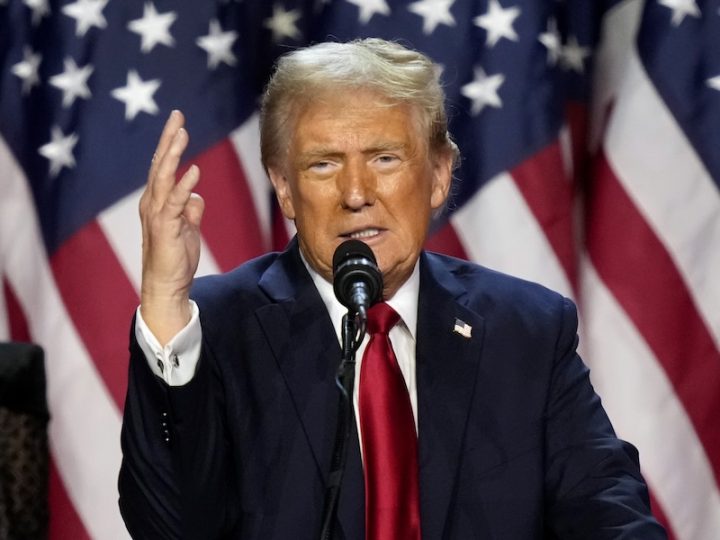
point(447, 362)
point(301, 335)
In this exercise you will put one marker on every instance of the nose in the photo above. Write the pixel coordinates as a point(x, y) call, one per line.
point(357, 185)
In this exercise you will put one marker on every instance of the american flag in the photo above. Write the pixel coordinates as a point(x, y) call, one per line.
point(589, 132)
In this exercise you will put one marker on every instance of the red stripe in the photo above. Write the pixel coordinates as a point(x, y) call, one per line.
point(579, 127)
point(65, 524)
point(100, 300)
point(657, 511)
point(445, 240)
point(549, 194)
point(19, 330)
point(230, 224)
point(641, 275)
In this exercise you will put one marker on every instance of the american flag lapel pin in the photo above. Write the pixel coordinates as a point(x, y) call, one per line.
point(462, 328)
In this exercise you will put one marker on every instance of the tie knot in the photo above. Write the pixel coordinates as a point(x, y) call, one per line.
point(381, 318)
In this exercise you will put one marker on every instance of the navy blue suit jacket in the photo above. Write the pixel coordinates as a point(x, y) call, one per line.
point(513, 441)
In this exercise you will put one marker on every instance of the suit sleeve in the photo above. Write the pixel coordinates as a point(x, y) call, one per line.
point(593, 482)
point(176, 478)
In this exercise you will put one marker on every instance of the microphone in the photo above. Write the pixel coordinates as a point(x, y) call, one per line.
point(357, 280)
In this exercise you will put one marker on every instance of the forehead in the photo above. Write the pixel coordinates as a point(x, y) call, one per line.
point(352, 116)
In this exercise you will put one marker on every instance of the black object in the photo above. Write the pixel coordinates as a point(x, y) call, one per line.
point(357, 280)
point(23, 443)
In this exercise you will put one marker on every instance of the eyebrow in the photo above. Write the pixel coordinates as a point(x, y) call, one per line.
point(329, 151)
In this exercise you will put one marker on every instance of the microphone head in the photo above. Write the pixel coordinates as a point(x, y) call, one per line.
point(355, 262)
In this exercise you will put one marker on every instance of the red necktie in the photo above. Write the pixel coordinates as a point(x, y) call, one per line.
point(389, 440)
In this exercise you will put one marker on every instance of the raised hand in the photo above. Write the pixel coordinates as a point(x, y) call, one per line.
point(170, 214)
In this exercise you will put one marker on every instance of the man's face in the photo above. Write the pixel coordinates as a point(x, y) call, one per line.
point(358, 168)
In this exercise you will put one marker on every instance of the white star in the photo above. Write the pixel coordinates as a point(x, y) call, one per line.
point(153, 27)
point(680, 9)
point(714, 82)
point(483, 90)
point(72, 82)
point(59, 150)
point(551, 40)
point(87, 13)
point(27, 69)
point(40, 9)
point(368, 8)
point(283, 23)
point(218, 44)
point(137, 95)
point(433, 12)
point(498, 22)
point(573, 55)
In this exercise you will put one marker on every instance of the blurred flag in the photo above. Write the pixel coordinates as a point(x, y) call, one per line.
point(650, 292)
point(630, 229)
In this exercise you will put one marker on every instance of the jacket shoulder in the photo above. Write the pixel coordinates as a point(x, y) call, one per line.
point(501, 295)
point(483, 281)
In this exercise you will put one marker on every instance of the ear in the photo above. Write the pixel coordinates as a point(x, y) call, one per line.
point(281, 185)
point(442, 179)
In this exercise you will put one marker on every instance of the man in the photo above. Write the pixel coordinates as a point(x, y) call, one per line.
point(231, 410)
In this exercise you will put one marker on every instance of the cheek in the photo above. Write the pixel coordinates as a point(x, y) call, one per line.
point(314, 219)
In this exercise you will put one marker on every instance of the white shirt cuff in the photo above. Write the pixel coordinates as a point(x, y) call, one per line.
point(176, 362)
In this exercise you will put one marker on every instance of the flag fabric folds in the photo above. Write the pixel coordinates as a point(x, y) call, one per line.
point(588, 131)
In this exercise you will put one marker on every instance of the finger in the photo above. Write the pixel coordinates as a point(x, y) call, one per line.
point(194, 209)
point(175, 121)
point(182, 191)
point(164, 179)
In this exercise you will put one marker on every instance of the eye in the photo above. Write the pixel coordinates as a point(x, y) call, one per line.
point(320, 166)
point(386, 162)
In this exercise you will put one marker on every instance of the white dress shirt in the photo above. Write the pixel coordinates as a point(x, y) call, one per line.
point(176, 362)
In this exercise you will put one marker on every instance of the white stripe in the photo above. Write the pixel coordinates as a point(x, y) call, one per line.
point(498, 229)
point(644, 409)
point(611, 57)
point(85, 425)
point(121, 225)
point(667, 182)
point(246, 140)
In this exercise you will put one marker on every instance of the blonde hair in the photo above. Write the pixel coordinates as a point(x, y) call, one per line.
point(395, 72)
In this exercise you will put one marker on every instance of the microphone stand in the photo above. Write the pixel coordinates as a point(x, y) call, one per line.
point(353, 332)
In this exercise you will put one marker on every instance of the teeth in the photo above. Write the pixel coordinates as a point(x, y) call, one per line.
point(365, 234)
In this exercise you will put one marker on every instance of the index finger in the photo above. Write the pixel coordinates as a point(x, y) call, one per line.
point(175, 121)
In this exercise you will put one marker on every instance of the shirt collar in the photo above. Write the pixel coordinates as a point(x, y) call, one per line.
point(404, 302)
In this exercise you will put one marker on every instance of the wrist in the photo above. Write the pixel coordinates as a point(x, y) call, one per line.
point(165, 316)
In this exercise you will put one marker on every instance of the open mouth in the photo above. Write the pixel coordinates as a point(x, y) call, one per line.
point(363, 234)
